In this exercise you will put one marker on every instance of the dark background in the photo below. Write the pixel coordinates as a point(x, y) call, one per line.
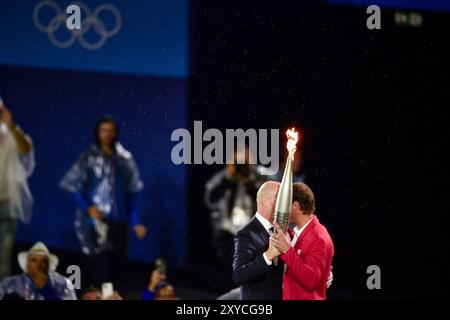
point(372, 106)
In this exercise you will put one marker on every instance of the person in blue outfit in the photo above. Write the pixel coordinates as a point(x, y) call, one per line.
point(105, 182)
point(39, 280)
point(158, 288)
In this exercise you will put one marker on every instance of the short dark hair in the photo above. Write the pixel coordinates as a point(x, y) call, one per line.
point(102, 120)
point(304, 196)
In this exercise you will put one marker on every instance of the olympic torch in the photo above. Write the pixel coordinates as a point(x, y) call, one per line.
point(284, 197)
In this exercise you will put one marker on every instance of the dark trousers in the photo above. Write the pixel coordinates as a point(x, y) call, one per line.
point(111, 266)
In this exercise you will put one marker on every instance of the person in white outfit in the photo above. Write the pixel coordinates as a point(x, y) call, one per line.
point(16, 201)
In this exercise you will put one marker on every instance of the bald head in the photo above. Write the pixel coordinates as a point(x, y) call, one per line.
point(268, 190)
point(266, 198)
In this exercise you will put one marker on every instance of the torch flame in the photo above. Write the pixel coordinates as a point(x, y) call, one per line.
point(291, 145)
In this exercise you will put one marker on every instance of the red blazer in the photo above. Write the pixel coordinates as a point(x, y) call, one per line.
point(308, 264)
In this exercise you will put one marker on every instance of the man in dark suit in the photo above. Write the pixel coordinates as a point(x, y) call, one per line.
point(252, 262)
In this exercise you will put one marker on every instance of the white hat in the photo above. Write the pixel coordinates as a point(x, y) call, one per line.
point(39, 248)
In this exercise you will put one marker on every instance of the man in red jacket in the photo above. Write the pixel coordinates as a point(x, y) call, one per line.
point(307, 251)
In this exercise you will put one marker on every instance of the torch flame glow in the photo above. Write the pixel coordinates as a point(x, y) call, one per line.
point(291, 145)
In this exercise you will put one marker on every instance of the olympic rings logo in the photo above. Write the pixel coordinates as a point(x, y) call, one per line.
point(91, 22)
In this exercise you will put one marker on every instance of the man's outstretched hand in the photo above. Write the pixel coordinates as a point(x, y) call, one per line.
point(330, 278)
point(155, 279)
point(272, 252)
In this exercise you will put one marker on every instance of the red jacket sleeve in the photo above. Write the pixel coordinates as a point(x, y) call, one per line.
point(307, 267)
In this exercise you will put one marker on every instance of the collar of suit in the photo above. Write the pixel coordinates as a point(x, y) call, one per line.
point(304, 230)
point(265, 223)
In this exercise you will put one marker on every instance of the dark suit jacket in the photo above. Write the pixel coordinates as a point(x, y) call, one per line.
point(258, 280)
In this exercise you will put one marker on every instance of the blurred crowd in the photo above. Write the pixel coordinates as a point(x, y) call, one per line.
point(40, 281)
point(104, 183)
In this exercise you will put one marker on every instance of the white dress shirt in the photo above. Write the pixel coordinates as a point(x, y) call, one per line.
point(298, 231)
point(268, 226)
